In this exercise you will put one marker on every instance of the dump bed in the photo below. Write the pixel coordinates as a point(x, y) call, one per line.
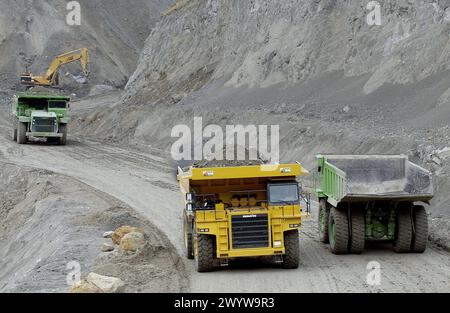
point(355, 177)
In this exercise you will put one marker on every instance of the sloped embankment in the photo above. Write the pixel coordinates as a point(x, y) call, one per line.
point(49, 220)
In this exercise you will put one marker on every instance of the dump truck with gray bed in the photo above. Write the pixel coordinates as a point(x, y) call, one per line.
point(40, 115)
point(372, 198)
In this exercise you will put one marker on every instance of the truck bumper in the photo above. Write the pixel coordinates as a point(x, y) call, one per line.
point(253, 252)
point(45, 135)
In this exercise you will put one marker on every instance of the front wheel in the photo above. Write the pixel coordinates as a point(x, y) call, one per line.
point(204, 258)
point(63, 131)
point(291, 257)
point(188, 241)
point(324, 215)
point(338, 231)
point(14, 134)
point(21, 133)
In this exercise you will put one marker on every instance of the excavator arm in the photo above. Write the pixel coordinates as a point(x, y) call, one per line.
point(51, 75)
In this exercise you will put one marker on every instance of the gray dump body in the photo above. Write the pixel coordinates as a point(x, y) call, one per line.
point(383, 177)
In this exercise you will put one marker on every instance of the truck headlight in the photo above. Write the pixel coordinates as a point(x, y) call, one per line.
point(277, 243)
point(203, 230)
point(208, 173)
point(286, 170)
point(294, 226)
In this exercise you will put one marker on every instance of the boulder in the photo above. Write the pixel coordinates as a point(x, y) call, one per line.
point(106, 247)
point(132, 241)
point(122, 231)
point(85, 287)
point(106, 284)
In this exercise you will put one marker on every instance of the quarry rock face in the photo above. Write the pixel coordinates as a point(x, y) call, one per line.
point(34, 32)
point(263, 43)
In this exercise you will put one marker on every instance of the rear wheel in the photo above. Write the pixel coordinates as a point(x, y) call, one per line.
point(21, 133)
point(338, 231)
point(420, 238)
point(291, 257)
point(358, 233)
point(324, 216)
point(204, 260)
point(403, 238)
point(63, 131)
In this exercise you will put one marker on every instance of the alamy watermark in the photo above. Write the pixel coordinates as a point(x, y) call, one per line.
point(373, 277)
point(237, 142)
point(74, 276)
point(374, 16)
point(73, 17)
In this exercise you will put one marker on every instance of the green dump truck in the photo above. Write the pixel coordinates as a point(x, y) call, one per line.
point(38, 115)
point(372, 198)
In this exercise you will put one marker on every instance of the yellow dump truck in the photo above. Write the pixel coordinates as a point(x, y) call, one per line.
point(244, 211)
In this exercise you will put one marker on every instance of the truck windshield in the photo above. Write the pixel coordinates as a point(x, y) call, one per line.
point(283, 193)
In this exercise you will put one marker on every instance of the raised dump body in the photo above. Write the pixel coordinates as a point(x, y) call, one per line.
point(373, 196)
point(245, 211)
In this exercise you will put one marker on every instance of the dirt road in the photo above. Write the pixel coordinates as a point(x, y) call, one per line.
point(146, 183)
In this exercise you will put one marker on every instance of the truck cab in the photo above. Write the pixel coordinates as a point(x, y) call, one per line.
point(237, 212)
point(40, 116)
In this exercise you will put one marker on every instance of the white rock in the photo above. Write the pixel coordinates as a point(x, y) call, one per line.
point(106, 284)
point(346, 109)
point(106, 247)
point(108, 234)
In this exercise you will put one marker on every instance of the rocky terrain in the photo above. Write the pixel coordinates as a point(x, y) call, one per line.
point(32, 33)
point(331, 82)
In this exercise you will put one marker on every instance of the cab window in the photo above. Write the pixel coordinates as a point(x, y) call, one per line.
point(283, 193)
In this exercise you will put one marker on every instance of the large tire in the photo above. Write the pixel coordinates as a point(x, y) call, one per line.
point(188, 238)
point(14, 132)
point(63, 131)
point(291, 258)
point(21, 133)
point(338, 231)
point(403, 237)
point(205, 260)
point(420, 236)
point(324, 216)
point(358, 230)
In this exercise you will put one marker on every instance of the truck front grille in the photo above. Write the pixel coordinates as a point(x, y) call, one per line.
point(44, 125)
point(250, 231)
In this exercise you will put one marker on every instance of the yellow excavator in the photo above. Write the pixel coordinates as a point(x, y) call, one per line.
point(50, 79)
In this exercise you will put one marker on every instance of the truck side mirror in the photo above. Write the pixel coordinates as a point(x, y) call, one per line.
point(189, 197)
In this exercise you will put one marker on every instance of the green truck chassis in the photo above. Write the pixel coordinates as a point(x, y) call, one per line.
point(372, 198)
